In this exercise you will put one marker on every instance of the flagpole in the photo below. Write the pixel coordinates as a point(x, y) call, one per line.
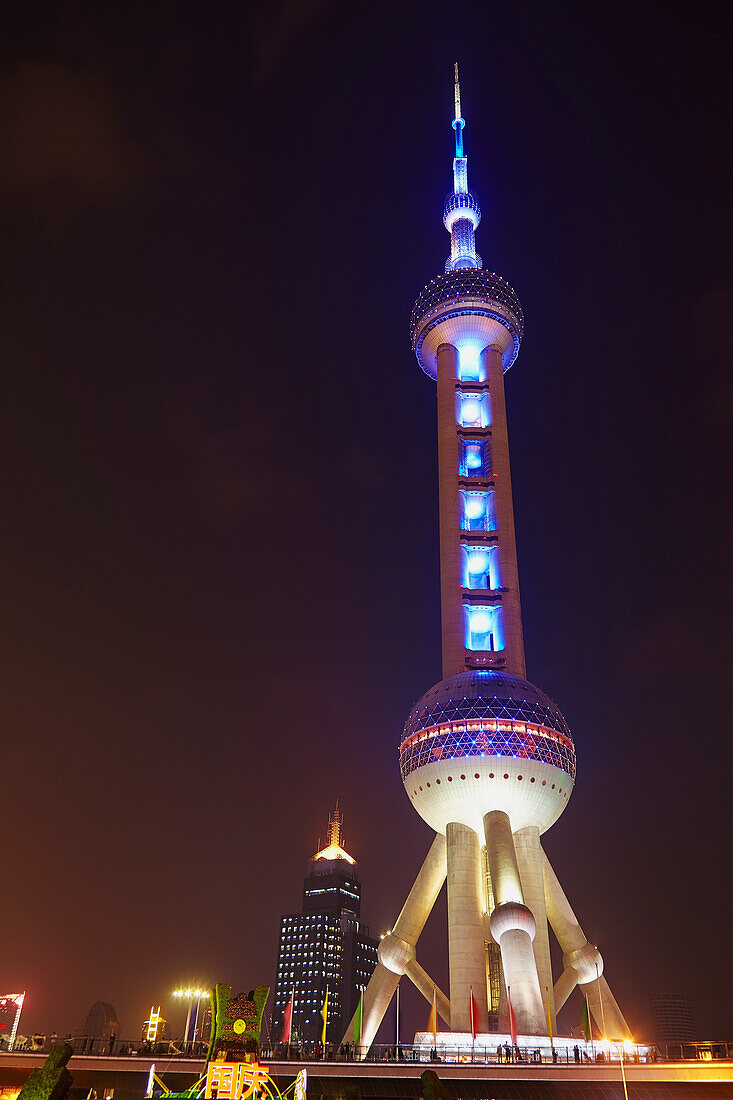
point(324, 1014)
point(600, 997)
point(361, 1018)
point(435, 1018)
point(549, 1017)
point(512, 1021)
point(292, 1010)
point(397, 1024)
point(473, 1031)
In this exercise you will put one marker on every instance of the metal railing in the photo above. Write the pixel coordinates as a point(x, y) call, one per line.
point(563, 1053)
point(106, 1048)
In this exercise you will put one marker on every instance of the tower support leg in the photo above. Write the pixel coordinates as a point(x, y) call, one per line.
point(397, 949)
point(513, 926)
point(582, 961)
point(425, 985)
point(529, 859)
point(466, 948)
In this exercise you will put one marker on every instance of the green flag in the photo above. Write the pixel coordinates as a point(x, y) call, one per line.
point(585, 1019)
point(357, 1018)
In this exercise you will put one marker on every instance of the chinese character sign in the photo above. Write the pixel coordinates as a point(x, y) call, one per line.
point(235, 1080)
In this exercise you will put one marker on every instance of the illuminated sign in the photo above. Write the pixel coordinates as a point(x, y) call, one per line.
point(153, 1024)
point(11, 1006)
point(236, 1080)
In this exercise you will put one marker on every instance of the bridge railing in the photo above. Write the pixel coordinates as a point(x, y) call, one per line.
point(563, 1052)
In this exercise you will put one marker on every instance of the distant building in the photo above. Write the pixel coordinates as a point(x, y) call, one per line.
point(673, 1019)
point(325, 947)
point(100, 1022)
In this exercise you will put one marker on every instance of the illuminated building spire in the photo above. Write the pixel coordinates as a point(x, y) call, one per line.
point(334, 826)
point(461, 214)
point(333, 849)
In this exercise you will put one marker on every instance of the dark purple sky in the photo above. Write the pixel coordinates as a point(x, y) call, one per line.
point(219, 553)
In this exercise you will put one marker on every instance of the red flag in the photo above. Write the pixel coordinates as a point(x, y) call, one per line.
point(474, 1015)
point(512, 1018)
point(287, 1021)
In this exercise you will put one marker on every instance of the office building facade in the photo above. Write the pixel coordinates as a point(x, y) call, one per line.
point(325, 949)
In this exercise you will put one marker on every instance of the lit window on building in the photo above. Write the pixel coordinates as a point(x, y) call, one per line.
point(473, 458)
point(483, 628)
point(468, 363)
point(473, 410)
point(477, 513)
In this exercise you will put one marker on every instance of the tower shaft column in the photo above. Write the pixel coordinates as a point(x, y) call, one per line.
point(513, 926)
point(466, 947)
point(493, 369)
point(451, 607)
point(529, 860)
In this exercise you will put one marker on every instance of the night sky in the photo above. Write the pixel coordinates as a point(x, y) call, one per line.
point(219, 559)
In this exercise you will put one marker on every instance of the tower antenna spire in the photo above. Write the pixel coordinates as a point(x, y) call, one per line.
point(458, 122)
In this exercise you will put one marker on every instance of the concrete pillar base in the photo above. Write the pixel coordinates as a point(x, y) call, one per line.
point(466, 948)
point(513, 926)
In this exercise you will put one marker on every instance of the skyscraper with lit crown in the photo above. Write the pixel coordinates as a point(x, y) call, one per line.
point(486, 757)
point(325, 947)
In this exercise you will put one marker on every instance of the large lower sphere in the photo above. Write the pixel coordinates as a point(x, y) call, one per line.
point(484, 741)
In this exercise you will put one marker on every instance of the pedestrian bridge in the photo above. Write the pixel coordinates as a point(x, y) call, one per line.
point(126, 1078)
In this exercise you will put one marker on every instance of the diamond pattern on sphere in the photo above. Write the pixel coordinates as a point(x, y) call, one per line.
point(538, 745)
point(464, 283)
point(481, 694)
point(437, 725)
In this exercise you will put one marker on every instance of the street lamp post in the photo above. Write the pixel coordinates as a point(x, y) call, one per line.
point(191, 995)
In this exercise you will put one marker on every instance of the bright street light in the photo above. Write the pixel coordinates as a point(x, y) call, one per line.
point(191, 995)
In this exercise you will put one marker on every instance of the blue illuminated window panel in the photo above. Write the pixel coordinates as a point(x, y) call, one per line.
point(474, 458)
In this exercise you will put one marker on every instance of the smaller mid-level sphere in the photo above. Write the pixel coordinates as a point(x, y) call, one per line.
point(483, 741)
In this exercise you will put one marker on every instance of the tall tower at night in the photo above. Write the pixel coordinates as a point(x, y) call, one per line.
point(486, 757)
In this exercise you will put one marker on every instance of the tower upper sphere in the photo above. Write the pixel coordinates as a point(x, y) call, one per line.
point(482, 741)
point(466, 306)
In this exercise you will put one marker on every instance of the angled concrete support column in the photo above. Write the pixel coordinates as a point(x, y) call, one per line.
point(564, 986)
point(397, 950)
point(425, 984)
point(529, 859)
point(582, 959)
point(466, 949)
point(513, 926)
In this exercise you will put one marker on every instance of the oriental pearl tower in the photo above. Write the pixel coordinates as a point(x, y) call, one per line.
point(486, 757)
